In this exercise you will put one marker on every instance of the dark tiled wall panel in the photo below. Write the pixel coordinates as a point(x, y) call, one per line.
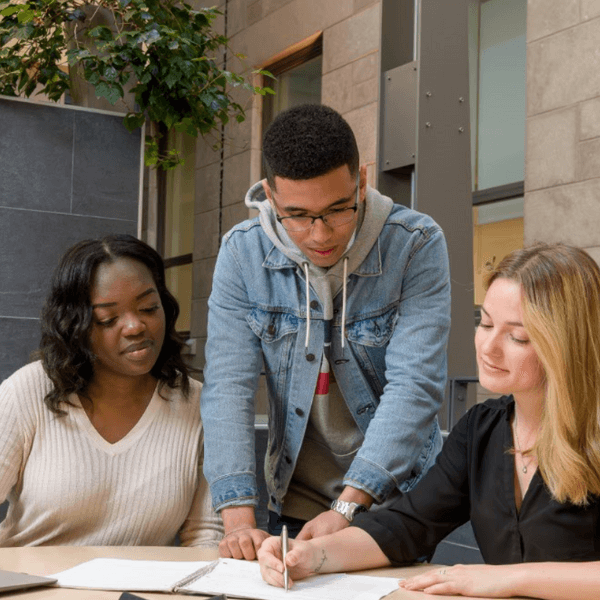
point(18, 339)
point(65, 175)
point(104, 180)
point(36, 156)
point(32, 243)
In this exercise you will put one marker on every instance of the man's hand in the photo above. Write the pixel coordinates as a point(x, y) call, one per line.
point(331, 521)
point(323, 524)
point(243, 543)
point(242, 538)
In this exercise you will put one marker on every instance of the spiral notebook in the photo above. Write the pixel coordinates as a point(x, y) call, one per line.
point(235, 578)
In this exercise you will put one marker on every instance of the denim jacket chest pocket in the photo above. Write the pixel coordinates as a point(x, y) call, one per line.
point(369, 338)
point(277, 332)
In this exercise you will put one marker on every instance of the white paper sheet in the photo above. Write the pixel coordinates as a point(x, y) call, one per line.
point(242, 579)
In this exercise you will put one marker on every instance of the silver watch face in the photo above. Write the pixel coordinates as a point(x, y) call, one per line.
point(347, 509)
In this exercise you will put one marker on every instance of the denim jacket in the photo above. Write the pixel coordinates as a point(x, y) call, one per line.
point(391, 372)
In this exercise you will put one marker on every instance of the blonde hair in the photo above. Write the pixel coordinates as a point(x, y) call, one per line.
point(561, 313)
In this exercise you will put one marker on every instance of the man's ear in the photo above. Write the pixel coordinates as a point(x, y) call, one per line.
point(362, 182)
point(267, 189)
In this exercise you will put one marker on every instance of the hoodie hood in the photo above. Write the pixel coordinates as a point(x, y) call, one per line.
point(326, 282)
point(257, 198)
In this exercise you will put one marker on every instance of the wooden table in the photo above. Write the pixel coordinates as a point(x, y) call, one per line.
point(52, 559)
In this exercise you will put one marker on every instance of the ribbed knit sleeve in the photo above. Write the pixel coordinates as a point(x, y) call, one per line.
point(21, 397)
point(11, 441)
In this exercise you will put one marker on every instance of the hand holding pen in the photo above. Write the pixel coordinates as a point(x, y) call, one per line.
point(285, 562)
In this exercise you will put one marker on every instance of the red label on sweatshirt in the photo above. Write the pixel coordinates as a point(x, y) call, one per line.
point(323, 384)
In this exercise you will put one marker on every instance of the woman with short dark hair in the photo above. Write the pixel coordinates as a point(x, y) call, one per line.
point(101, 441)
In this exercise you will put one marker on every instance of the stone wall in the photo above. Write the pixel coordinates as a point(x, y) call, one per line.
point(562, 171)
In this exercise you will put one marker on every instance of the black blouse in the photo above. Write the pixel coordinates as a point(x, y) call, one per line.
point(473, 478)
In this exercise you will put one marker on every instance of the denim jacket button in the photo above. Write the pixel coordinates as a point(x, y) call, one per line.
point(314, 304)
point(310, 357)
point(271, 329)
point(299, 412)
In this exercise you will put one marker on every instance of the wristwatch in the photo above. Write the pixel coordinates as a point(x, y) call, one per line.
point(348, 509)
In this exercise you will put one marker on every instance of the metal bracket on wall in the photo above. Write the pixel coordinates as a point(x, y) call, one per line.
point(457, 398)
point(399, 117)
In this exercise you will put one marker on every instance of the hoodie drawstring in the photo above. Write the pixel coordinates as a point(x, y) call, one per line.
point(344, 294)
point(305, 266)
point(344, 300)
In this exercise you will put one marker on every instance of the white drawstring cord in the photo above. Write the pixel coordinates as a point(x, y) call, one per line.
point(344, 300)
point(305, 266)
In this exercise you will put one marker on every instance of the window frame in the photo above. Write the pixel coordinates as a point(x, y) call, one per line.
point(290, 58)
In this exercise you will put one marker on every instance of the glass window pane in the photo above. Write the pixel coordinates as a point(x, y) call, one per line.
point(179, 282)
point(497, 230)
point(501, 93)
point(179, 201)
point(300, 85)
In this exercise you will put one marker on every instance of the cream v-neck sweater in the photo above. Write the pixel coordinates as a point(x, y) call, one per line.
point(67, 485)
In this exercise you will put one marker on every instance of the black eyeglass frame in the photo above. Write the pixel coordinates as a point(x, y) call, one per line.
point(353, 208)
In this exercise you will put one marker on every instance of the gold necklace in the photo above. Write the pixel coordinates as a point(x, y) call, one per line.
point(519, 451)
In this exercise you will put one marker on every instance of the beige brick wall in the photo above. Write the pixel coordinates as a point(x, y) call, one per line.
point(562, 167)
point(260, 29)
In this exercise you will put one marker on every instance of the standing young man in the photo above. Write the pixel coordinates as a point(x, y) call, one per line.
point(343, 299)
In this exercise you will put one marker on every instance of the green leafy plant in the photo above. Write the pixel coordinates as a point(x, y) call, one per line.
point(164, 50)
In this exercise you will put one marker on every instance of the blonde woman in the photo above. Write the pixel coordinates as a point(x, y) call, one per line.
point(525, 469)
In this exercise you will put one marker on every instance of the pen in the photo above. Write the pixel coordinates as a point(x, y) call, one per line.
point(284, 551)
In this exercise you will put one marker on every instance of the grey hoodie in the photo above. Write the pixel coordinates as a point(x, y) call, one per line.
point(327, 283)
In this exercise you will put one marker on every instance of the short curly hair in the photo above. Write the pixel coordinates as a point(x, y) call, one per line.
point(308, 141)
point(67, 318)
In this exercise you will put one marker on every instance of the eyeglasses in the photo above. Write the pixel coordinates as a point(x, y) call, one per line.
point(333, 219)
